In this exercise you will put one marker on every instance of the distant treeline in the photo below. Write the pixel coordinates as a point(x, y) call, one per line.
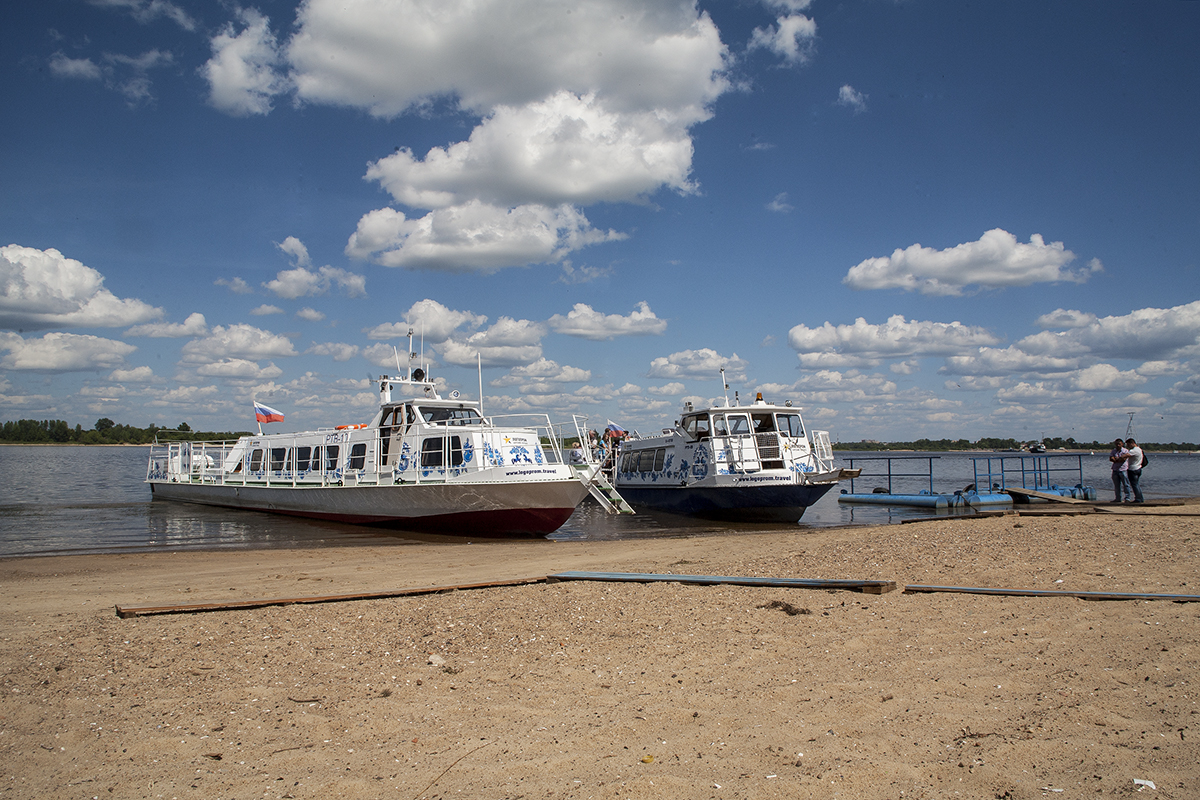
point(1050, 443)
point(56, 431)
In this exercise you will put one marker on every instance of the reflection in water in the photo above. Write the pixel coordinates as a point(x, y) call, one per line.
point(62, 500)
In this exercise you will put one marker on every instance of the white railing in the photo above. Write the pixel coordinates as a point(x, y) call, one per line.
point(823, 450)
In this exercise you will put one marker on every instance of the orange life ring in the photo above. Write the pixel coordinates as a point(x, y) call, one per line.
point(349, 427)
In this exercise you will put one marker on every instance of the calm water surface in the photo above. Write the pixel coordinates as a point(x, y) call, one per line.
point(62, 500)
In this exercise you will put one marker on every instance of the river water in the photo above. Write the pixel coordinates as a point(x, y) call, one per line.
point(57, 500)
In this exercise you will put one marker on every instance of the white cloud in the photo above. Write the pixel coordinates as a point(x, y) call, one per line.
point(1153, 334)
point(266, 310)
point(594, 105)
point(852, 98)
point(236, 285)
point(510, 342)
point(339, 351)
point(1065, 318)
point(296, 249)
point(792, 38)
point(587, 323)
point(430, 321)
point(62, 352)
point(997, 260)
point(668, 389)
point(573, 275)
point(134, 71)
point(238, 369)
point(194, 325)
point(1007, 361)
point(388, 56)
point(45, 289)
point(1104, 378)
point(135, 375)
point(244, 71)
point(864, 344)
point(146, 11)
point(310, 314)
point(704, 363)
point(302, 282)
point(234, 342)
point(543, 370)
point(473, 237)
point(80, 68)
point(780, 204)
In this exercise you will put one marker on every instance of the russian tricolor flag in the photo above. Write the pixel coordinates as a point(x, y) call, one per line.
point(266, 413)
point(615, 428)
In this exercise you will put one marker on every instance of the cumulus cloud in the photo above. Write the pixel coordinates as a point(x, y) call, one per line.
point(430, 321)
point(1065, 318)
point(135, 375)
point(45, 289)
point(310, 314)
point(244, 73)
point(235, 285)
point(296, 249)
point(303, 282)
point(1008, 361)
point(507, 343)
point(865, 344)
point(792, 38)
point(1151, 334)
point(339, 351)
point(668, 389)
point(543, 370)
point(473, 237)
point(265, 310)
point(194, 325)
point(704, 363)
point(851, 98)
point(587, 323)
point(573, 109)
point(238, 341)
point(997, 260)
point(62, 352)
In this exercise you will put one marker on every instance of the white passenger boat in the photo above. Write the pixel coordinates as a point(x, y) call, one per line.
point(734, 462)
point(424, 463)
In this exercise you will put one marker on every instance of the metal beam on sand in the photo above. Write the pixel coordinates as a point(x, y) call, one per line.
point(870, 587)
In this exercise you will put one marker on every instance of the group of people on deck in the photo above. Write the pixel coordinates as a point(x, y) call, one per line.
point(1127, 462)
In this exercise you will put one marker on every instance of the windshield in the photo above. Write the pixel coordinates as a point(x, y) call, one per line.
point(451, 416)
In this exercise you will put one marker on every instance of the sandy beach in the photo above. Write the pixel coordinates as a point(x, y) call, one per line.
point(614, 690)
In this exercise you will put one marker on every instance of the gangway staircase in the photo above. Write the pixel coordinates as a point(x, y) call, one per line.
point(605, 493)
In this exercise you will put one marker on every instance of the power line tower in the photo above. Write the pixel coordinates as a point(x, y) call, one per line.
point(1129, 427)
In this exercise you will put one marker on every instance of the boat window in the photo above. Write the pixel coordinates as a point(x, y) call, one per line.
point(431, 451)
point(789, 425)
point(626, 462)
point(763, 423)
point(720, 428)
point(451, 416)
point(331, 457)
point(697, 426)
point(738, 424)
point(256, 461)
point(303, 457)
point(660, 456)
point(358, 456)
point(646, 461)
point(279, 457)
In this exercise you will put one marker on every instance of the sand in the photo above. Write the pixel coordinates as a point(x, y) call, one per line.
point(603, 690)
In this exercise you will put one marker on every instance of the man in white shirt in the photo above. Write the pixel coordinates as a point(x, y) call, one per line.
point(1133, 468)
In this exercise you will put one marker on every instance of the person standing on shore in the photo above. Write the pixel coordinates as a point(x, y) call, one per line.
point(1134, 468)
point(1120, 471)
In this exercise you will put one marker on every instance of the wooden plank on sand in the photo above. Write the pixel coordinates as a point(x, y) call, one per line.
point(1016, 491)
point(870, 587)
point(124, 612)
point(1178, 598)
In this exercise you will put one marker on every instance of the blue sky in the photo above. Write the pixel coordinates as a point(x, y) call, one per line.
point(941, 219)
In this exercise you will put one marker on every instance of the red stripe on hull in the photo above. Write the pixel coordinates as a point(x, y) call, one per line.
point(508, 522)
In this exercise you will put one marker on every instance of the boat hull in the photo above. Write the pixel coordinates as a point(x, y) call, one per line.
point(473, 509)
point(780, 503)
